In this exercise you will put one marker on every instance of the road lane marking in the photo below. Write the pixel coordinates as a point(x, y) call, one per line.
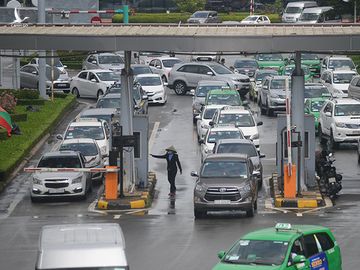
point(117, 216)
point(153, 135)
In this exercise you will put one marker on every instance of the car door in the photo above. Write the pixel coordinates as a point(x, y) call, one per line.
point(152, 65)
point(31, 77)
point(331, 250)
point(265, 91)
point(205, 73)
point(327, 119)
point(25, 76)
point(316, 257)
point(91, 62)
point(191, 74)
point(92, 85)
point(81, 83)
point(297, 248)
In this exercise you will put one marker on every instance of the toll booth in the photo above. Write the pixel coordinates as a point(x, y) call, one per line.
point(307, 145)
point(141, 152)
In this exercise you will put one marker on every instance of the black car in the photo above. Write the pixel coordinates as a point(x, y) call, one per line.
point(246, 66)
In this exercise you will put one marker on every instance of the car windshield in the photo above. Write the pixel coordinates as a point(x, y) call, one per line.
point(316, 91)
point(317, 105)
point(202, 90)
point(250, 19)
point(225, 99)
point(309, 17)
point(141, 70)
point(261, 75)
point(200, 15)
point(60, 162)
point(343, 77)
point(289, 70)
point(169, 63)
point(347, 109)
point(278, 84)
point(87, 149)
point(149, 81)
point(109, 103)
point(219, 69)
point(341, 63)
point(309, 56)
point(242, 148)
point(209, 113)
point(224, 169)
point(261, 252)
point(108, 76)
point(293, 10)
point(214, 136)
point(269, 57)
point(245, 64)
point(92, 132)
point(111, 59)
point(241, 120)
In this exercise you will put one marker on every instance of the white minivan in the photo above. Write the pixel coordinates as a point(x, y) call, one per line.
point(293, 10)
point(314, 15)
point(99, 246)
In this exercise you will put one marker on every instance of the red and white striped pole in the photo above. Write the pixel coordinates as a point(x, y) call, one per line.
point(251, 7)
point(288, 124)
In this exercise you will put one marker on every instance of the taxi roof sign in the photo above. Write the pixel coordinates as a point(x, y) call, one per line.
point(283, 226)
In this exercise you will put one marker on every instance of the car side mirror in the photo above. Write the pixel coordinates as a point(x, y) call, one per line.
point(59, 137)
point(94, 62)
point(201, 141)
point(197, 117)
point(265, 87)
point(166, 84)
point(323, 66)
point(158, 67)
point(194, 174)
point(262, 156)
point(328, 114)
point(210, 73)
point(259, 123)
point(221, 254)
point(64, 66)
point(34, 72)
point(255, 174)
point(145, 97)
point(211, 123)
point(245, 103)
point(93, 80)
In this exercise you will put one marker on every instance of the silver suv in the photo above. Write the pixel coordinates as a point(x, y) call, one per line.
point(55, 184)
point(226, 182)
point(185, 76)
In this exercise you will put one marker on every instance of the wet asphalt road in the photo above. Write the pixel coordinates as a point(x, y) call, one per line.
point(168, 238)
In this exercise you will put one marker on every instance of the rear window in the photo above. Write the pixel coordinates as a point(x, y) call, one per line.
point(60, 162)
point(241, 148)
point(92, 132)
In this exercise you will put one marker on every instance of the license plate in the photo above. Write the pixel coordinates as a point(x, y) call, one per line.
point(222, 202)
point(61, 85)
point(56, 190)
point(332, 180)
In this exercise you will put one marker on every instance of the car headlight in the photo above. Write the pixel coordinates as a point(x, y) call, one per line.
point(201, 188)
point(77, 180)
point(103, 150)
point(340, 125)
point(254, 137)
point(245, 190)
point(272, 95)
point(37, 181)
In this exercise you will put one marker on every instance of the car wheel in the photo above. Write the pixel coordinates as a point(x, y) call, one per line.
point(164, 79)
point(251, 211)
point(321, 135)
point(180, 88)
point(75, 92)
point(99, 93)
point(199, 214)
point(333, 143)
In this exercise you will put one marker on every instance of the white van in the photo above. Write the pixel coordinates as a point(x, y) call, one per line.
point(293, 10)
point(314, 15)
point(82, 246)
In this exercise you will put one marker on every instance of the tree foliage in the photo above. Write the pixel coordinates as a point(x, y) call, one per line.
point(190, 5)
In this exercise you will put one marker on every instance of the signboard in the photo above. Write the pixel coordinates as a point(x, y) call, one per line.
point(319, 262)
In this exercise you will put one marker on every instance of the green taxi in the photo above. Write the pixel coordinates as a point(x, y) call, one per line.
point(270, 61)
point(224, 97)
point(288, 70)
point(283, 247)
point(312, 61)
point(313, 106)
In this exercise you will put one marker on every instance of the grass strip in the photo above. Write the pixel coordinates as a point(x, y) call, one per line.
point(15, 149)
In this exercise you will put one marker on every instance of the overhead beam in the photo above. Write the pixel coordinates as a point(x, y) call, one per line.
point(249, 39)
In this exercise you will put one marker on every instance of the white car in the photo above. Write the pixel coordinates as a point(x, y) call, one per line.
point(153, 86)
point(337, 62)
point(217, 133)
point(92, 83)
point(90, 150)
point(241, 118)
point(204, 118)
point(110, 61)
point(339, 121)
point(256, 19)
point(92, 128)
point(163, 65)
point(337, 81)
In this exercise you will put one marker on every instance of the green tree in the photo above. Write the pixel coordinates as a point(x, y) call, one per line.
point(190, 5)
